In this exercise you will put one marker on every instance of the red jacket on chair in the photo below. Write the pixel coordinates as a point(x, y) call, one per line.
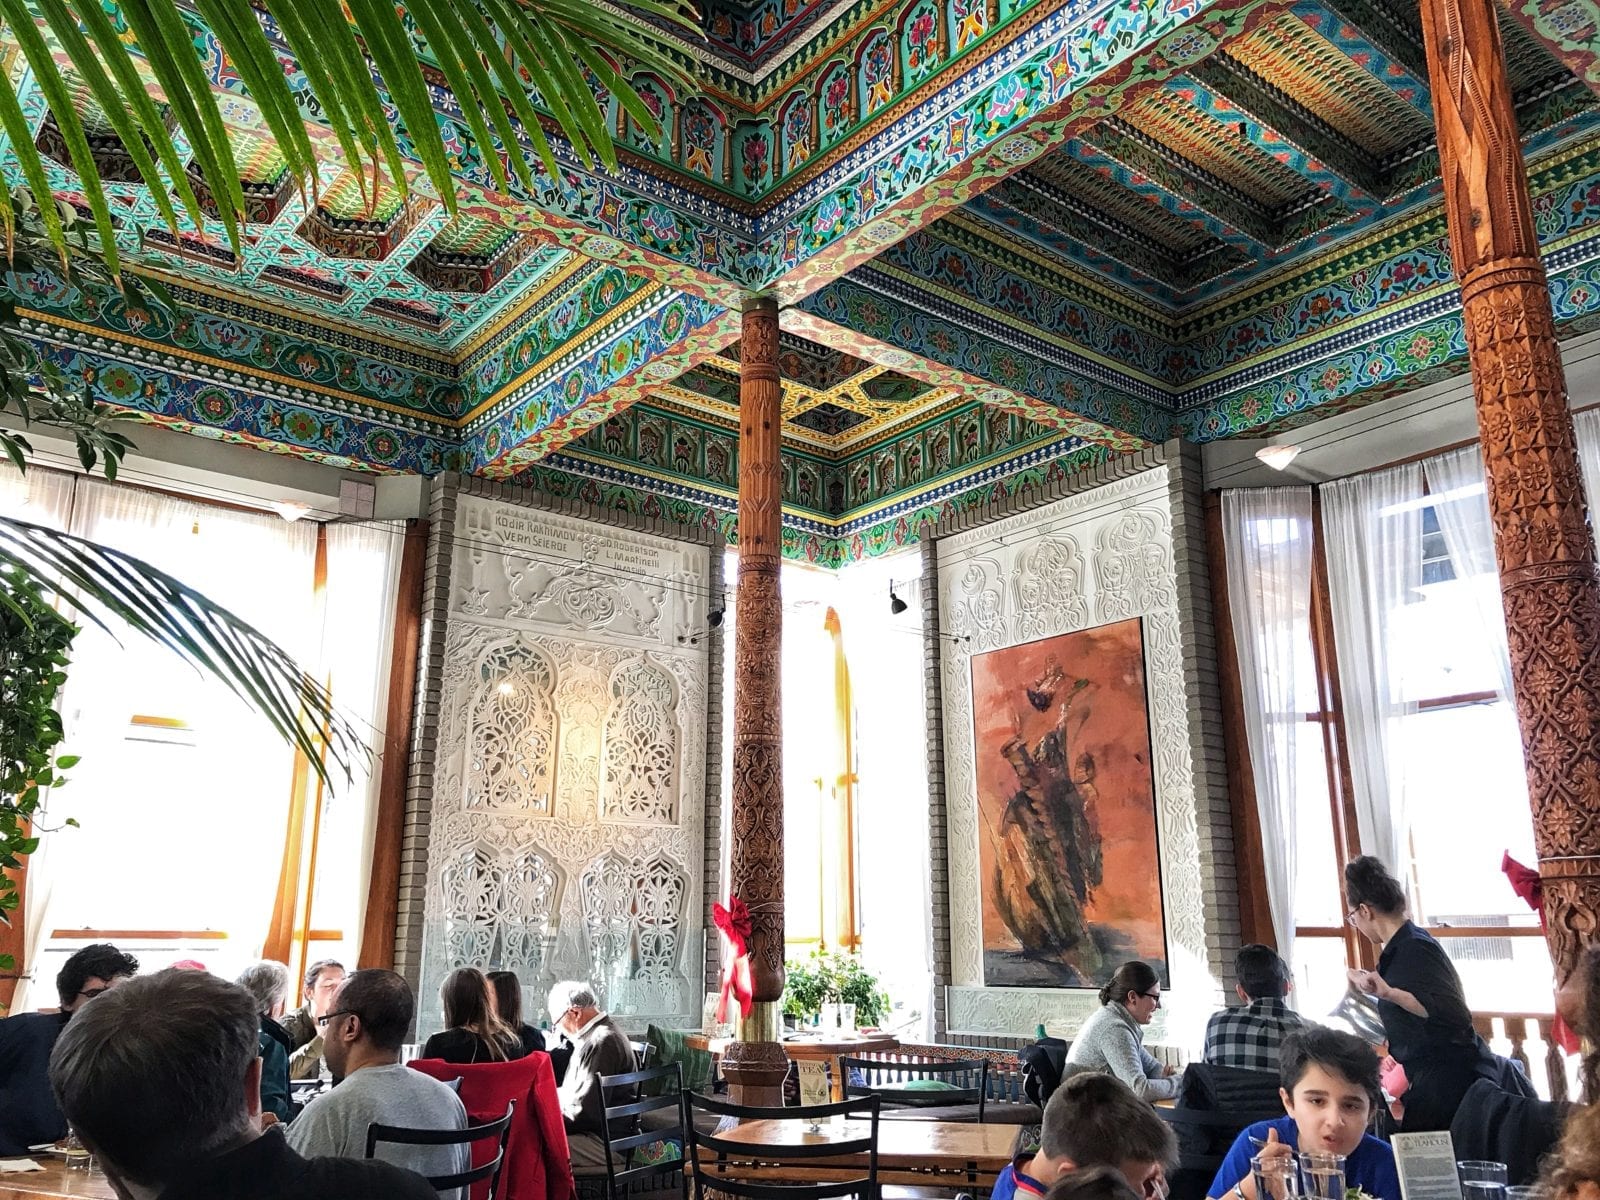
point(538, 1165)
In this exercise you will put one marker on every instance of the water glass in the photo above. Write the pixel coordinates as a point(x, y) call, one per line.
point(1276, 1177)
point(1482, 1180)
point(1322, 1175)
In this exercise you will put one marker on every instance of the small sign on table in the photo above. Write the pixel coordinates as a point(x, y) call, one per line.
point(1427, 1166)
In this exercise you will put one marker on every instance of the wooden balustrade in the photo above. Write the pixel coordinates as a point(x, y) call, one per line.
point(1519, 1029)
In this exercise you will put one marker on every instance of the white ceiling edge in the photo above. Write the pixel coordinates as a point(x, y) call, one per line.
point(207, 469)
point(1422, 421)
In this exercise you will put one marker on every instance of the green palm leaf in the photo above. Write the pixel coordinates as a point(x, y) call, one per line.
point(485, 49)
point(107, 586)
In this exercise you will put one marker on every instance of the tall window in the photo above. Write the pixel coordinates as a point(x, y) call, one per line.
point(1449, 755)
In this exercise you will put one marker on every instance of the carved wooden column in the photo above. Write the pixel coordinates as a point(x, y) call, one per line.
point(1548, 577)
point(755, 1065)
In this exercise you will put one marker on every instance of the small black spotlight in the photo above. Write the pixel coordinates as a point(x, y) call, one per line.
point(896, 605)
point(714, 617)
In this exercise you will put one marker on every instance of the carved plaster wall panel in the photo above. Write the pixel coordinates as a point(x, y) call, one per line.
point(569, 775)
point(1099, 556)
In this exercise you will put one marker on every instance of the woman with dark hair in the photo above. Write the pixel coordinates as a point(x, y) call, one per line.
point(508, 1006)
point(472, 1031)
point(1112, 1041)
point(1420, 1001)
point(1578, 1002)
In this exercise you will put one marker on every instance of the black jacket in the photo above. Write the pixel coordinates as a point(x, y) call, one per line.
point(28, 1112)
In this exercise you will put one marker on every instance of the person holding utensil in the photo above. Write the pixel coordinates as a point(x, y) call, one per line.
point(1420, 1001)
point(1330, 1091)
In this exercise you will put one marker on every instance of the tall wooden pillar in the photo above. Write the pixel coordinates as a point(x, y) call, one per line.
point(1546, 553)
point(755, 1065)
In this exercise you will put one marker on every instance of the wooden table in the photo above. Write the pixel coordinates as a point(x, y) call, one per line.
point(910, 1153)
point(55, 1181)
point(807, 1049)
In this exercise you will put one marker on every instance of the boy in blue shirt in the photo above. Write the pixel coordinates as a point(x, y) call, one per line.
point(1330, 1091)
point(1094, 1120)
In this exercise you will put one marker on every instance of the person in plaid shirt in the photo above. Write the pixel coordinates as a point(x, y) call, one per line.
point(1249, 1037)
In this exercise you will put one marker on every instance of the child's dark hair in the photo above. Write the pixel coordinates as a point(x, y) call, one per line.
point(1338, 1053)
point(1261, 973)
point(1096, 1120)
point(1092, 1183)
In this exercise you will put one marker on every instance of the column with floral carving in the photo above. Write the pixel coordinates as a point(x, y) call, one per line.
point(755, 1065)
point(1548, 577)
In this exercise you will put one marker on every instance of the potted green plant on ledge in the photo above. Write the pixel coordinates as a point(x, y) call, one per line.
point(833, 977)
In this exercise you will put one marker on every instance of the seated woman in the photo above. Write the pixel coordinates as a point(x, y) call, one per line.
point(1330, 1091)
point(1112, 1041)
point(474, 1033)
point(508, 1006)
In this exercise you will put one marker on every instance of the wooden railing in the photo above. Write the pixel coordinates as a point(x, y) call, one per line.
point(1519, 1031)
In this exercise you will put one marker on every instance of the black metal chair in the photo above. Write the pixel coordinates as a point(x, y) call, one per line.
point(658, 1089)
point(499, 1129)
point(966, 1083)
point(715, 1158)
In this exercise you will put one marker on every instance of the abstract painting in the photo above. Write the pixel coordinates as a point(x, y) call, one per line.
point(1067, 849)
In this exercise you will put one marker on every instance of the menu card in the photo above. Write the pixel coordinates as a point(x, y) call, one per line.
point(813, 1082)
point(1427, 1166)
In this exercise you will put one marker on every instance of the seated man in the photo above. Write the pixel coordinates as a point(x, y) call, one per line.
point(268, 982)
point(28, 1112)
point(322, 982)
point(599, 1047)
point(1249, 1037)
point(1094, 1120)
point(361, 1043)
point(1330, 1091)
point(161, 1079)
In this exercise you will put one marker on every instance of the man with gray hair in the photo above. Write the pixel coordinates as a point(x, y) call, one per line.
point(161, 1079)
point(599, 1047)
point(268, 982)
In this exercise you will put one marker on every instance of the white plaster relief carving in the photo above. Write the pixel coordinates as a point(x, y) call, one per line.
point(570, 615)
point(1025, 578)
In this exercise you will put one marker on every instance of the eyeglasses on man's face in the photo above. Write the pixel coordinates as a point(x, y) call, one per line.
point(322, 1021)
point(91, 992)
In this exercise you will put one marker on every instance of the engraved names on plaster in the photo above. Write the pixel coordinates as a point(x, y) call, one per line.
point(566, 837)
point(1088, 559)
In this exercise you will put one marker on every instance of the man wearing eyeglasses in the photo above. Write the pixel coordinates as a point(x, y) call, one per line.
point(28, 1112)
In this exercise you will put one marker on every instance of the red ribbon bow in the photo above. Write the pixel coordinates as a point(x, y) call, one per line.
point(733, 923)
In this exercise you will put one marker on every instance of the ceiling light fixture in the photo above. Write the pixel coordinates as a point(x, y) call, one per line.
point(1278, 457)
point(290, 510)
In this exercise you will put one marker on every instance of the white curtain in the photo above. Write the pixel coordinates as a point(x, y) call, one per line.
point(1461, 503)
point(39, 498)
point(358, 638)
point(1587, 425)
point(885, 651)
point(1373, 536)
point(1267, 535)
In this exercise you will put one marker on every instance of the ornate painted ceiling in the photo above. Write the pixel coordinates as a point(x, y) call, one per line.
point(1009, 238)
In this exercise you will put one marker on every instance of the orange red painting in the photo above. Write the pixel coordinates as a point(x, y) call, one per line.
point(1066, 810)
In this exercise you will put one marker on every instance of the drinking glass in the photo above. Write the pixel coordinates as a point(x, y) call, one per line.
point(1482, 1180)
point(1277, 1177)
point(1322, 1175)
point(73, 1151)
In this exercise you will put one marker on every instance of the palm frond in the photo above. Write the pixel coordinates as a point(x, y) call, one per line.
point(500, 57)
point(108, 587)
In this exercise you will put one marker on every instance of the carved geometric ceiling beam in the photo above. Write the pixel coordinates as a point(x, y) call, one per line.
point(1390, 53)
point(938, 345)
point(1227, 91)
point(1154, 163)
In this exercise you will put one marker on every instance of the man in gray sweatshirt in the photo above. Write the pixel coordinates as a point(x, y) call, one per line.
point(362, 1036)
point(599, 1047)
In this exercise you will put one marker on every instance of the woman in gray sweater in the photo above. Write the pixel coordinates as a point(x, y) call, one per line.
point(1112, 1041)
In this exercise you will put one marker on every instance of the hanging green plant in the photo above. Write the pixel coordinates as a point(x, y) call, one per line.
point(34, 644)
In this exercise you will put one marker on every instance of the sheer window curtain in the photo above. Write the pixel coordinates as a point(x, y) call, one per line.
point(1267, 540)
point(1373, 533)
point(1461, 502)
point(39, 498)
point(1587, 425)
